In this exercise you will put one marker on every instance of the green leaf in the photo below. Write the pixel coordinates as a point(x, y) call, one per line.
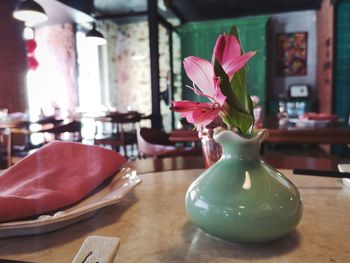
point(234, 32)
point(225, 87)
point(238, 112)
point(245, 116)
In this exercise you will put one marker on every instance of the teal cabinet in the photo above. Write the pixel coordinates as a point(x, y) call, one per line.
point(341, 90)
point(341, 98)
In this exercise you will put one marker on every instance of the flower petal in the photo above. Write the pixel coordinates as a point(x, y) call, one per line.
point(234, 64)
point(198, 113)
point(201, 72)
point(205, 117)
point(219, 97)
point(186, 105)
point(226, 47)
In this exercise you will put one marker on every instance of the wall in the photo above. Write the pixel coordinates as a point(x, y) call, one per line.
point(129, 74)
point(13, 61)
point(304, 21)
point(341, 91)
point(110, 95)
point(57, 71)
point(129, 67)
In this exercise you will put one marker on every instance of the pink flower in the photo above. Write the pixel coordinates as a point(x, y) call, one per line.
point(201, 72)
point(227, 51)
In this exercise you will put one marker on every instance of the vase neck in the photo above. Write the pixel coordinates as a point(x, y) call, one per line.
point(235, 146)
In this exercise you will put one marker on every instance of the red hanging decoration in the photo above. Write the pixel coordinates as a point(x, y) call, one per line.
point(31, 45)
point(33, 64)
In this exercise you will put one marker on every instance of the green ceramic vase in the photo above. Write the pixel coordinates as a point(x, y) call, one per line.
point(241, 198)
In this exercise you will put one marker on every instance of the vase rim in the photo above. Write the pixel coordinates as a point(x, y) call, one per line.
point(258, 135)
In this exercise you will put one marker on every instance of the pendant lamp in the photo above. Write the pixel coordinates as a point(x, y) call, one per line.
point(95, 37)
point(30, 12)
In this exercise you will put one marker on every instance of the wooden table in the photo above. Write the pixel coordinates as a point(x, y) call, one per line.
point(288, 135)
point(335, 134)
point(153, 227)
point(7, 128)
point(24, 129)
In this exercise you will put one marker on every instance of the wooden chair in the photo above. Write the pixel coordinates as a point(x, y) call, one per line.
point(5, 148)
point(156, 144)
point(66, 131)
point(123, 132)
point(14, 141)
point(50, 119)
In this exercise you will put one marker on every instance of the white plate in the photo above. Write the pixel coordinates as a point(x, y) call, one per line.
point(109, 193)
point(345, 168)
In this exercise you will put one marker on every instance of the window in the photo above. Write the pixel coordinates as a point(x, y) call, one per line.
point(90, 75)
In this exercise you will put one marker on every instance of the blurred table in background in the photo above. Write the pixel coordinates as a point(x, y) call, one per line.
point(285, 134)
point(115, 130)
point(319, 134)
point(17, 133)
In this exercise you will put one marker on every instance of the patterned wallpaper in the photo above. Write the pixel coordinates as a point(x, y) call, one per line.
point(128, 61)
point(129, 67)
point(57, 69)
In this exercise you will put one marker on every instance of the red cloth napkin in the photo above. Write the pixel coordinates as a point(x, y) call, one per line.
point(57, 175)
point(319, 116)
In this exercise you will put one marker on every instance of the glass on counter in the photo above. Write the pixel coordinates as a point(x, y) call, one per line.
point(3, 114)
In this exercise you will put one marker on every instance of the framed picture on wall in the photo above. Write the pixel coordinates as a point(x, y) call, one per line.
point(291, 54)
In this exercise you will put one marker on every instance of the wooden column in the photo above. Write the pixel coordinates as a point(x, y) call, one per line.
point(154, 55)
point(13, 60)
point(325, 62)
point(171, 88)
point(170, 29)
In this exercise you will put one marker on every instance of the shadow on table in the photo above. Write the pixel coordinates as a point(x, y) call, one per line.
point(104, 217)
point(201, 247)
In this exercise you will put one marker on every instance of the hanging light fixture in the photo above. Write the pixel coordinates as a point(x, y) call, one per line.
point(94, 36)
point(30, 12)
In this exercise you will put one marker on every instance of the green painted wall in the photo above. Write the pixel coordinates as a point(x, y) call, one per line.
point(198, 39)
point(341, 97)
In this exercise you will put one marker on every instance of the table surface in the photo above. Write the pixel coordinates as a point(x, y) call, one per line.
point(280, 161)
point(153, 227)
